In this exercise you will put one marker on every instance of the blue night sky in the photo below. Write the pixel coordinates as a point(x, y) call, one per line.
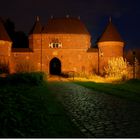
point(94, 13)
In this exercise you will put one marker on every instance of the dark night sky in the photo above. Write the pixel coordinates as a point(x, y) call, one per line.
point(94, 13)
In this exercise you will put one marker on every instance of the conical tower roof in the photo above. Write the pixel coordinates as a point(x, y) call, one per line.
point(110, 34)
point(37, 27)
point(65, 26)
point(3, 33)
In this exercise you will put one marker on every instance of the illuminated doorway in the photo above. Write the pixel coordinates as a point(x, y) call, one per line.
point(55, 66)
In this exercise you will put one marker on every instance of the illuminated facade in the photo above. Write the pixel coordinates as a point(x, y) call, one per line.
point(62, 46)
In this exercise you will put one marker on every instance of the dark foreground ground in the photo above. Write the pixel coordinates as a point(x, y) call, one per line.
point(29, 111)
point(61, 109)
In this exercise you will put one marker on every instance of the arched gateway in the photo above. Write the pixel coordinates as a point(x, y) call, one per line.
point(55, 66)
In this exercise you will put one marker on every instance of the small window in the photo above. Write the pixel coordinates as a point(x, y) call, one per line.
point(55, 45)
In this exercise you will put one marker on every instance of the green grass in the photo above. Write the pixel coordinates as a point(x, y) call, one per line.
point(129, 90)
point(29, 111)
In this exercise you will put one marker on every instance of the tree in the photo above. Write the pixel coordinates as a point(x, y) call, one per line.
point(19, 38)
point(117, 67)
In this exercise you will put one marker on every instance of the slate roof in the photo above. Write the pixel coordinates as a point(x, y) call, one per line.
point(37, 27)
point(65, 26)
point(3, 33)
point(110, 34)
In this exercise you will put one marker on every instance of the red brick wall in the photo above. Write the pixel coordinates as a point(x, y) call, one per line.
point(5, 52)
point(5, 48)
point(73, 53)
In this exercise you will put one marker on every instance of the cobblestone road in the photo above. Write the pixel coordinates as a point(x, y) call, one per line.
point(98, 114)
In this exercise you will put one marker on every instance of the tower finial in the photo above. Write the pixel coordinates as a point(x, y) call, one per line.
point(51, 16)
point(67, 16)
point(110, 19)
point(37, 18)
point(79, 17)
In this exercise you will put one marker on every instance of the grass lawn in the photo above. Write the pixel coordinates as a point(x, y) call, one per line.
point(129, 90)
point(28, 111)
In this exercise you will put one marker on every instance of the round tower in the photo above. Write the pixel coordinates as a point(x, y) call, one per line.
point(5, 49)
point(110, 45)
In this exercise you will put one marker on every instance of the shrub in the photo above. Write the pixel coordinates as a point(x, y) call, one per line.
point(81, 74)
point(33, 78)
point(117, 67)
point(3, 81)
point(134, 81)
point(68, 74)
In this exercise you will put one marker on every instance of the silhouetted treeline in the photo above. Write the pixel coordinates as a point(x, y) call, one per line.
point(19, 38)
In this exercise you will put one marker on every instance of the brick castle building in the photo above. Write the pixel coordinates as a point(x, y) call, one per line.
point(63, 45)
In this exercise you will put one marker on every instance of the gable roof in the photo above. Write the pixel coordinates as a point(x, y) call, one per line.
point(65, 26)
point(37, 27)
point(110, 34)
point(3, 33)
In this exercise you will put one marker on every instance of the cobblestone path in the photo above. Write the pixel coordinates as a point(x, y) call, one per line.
point(98, 114)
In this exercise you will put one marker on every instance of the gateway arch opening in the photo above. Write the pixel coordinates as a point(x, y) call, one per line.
point(55, 66)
